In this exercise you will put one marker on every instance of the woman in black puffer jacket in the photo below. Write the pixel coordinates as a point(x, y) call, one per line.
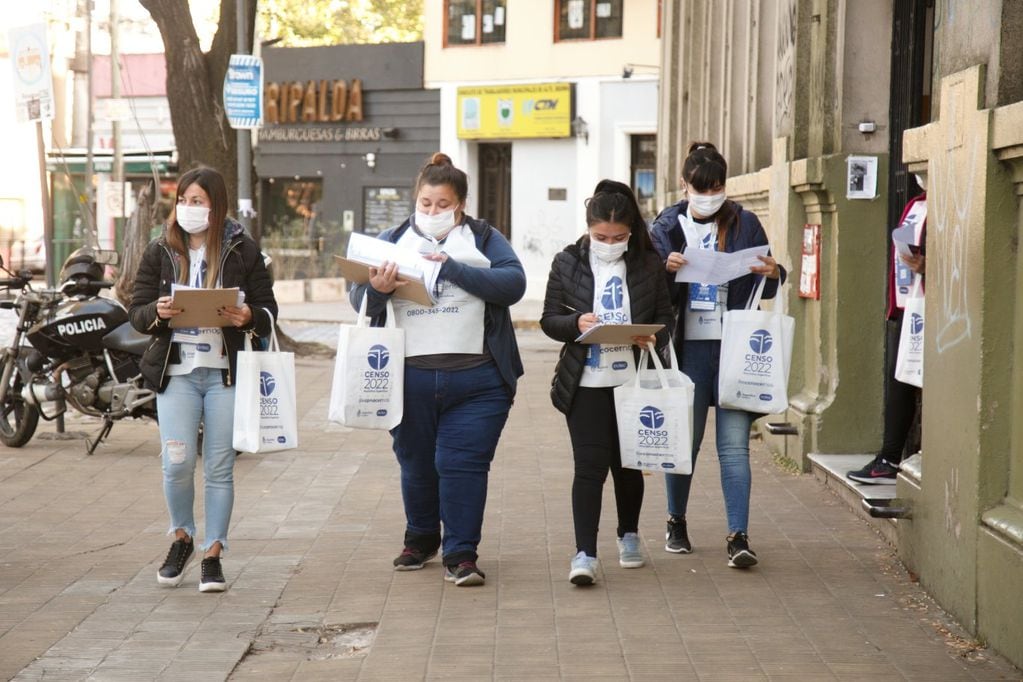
point(611, 275)
point(193, 370)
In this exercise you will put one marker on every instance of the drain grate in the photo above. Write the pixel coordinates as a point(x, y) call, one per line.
point(315, 641)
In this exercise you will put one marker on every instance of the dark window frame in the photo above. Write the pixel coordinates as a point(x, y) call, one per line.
point(593, 23)
point(478, 40)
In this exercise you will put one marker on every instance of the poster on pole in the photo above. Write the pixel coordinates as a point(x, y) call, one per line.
point(243, 92)
point(33, 82)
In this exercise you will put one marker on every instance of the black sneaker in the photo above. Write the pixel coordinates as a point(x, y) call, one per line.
point(173, 569)
point(739, 553)
point(212, 579)
point(878, 471)
point(412, 559)
point(676, 540)
point(465, 574)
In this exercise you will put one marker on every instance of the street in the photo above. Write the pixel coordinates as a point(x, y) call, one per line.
point(311, 594)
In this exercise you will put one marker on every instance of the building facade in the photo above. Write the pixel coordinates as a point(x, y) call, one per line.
point(345, 129)
point(825, 111)
point(539, 100)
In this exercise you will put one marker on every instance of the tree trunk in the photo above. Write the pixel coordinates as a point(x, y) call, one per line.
point(195, 86)
point(136, 237)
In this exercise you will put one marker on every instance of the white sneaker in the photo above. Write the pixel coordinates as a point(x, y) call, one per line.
point(629, 555)
point(584, 569)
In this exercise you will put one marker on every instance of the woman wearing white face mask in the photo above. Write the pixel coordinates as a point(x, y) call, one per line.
point(193, 369)
point(707, 220)
point(461, 368)
point(612, 274)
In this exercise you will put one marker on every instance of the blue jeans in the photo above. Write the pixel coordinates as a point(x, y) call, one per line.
point(700, 360)
point(444, 444)
point(187, 400)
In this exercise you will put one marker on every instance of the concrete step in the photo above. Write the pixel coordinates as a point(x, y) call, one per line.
point(831, 470)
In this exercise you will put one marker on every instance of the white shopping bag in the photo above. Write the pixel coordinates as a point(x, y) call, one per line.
point(909, 363)
point(369, 374)
point(654, 412)
point(265, 415)
point(756, 354)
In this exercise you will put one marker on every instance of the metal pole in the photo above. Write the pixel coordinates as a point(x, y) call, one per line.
point(44, 192)
point(90, 191)
point(117, 172)
point(244, 137)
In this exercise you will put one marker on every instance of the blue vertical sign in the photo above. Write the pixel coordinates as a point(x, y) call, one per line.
point(243, 91)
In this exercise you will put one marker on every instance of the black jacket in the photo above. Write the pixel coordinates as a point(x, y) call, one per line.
point(570, 295)
point(241, 266)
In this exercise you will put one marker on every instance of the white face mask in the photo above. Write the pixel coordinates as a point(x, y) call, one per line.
point(436, 225)
point(706, 205)
point(609, 253)
point(192, 219)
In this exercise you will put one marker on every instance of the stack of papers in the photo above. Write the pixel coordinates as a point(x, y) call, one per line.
point(365, 252)
point(199, 306)
point(707, 266)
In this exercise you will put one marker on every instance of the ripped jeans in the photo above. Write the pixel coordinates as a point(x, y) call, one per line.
point(188, 400)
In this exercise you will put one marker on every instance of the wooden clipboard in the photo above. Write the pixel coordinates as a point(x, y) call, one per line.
point(617, 334)
point(414, 290)
point(199, 307)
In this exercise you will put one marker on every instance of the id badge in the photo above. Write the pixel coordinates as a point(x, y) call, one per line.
point(703, 296)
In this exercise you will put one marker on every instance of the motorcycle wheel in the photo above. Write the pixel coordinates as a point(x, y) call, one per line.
point(18, 420)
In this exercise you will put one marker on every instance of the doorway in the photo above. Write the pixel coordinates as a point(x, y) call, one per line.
point(495, 186)
point(643, 171)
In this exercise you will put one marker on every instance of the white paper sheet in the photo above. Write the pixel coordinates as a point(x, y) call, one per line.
point(715, 267)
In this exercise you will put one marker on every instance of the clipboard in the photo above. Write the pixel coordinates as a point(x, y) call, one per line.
point(199, 307)
point(414, 291)
point(617, 334)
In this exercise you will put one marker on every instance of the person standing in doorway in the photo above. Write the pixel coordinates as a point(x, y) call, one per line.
point(900, 399)
point(193, 370)
point(610, 275)
point(461, 368)
point(706, 219)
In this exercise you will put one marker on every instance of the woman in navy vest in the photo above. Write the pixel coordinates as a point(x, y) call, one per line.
point(461, 368)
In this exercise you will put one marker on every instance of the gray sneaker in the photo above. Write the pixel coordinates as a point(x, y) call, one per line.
point(629, 555)
point(584, 569)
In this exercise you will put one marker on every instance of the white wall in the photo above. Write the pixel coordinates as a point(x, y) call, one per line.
point(540, 227)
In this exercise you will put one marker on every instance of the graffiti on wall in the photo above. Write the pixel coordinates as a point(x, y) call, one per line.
point(950, 205)
point(785, 96)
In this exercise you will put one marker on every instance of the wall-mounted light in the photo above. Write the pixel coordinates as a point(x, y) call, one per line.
point(629, 69)
point(371, 160)
point(866, 127)
point(390, 133)
point(580, 128)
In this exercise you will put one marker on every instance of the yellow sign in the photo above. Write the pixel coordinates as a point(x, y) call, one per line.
point(515, 111)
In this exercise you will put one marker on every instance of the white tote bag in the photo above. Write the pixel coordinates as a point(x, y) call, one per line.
point(369, 374)
point(909, 363)
point(654, 412)
point(756, 354)
point(265, 414)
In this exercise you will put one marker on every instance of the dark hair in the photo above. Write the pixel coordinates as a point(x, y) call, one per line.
point(212, 182)
point(705, 169)
point(440, 171)
point(614, 202)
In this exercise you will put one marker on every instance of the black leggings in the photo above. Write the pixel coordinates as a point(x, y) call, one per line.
point(591, 425)
point(900, 401)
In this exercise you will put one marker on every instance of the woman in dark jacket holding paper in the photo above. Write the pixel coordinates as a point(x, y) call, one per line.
point(193, 370)
point(461, 368)
point(611, 275)
point(707, 220)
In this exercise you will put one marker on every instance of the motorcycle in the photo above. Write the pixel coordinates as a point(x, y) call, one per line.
point(81, 351)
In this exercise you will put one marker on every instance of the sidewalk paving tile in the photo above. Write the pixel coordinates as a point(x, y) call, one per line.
point(314, 531)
